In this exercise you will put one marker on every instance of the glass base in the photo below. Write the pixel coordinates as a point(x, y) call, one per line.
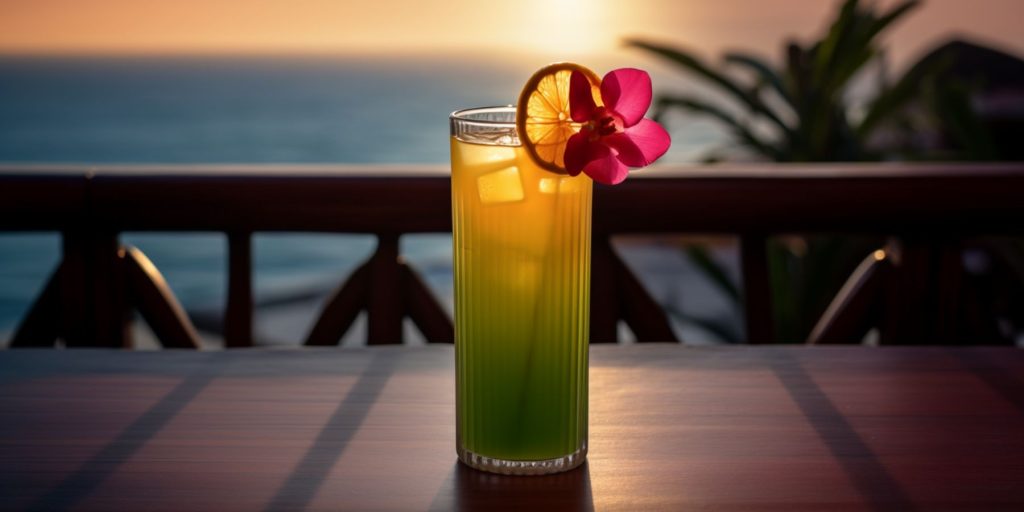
point(523, 467)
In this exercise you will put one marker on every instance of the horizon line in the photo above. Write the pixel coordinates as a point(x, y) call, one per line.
point(496, 51)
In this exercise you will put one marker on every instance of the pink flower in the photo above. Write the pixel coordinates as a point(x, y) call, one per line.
point(616, 136)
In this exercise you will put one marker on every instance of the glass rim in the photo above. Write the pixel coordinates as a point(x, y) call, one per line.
point(462, 116)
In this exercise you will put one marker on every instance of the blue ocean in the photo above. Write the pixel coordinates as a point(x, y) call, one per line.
point(123, 110)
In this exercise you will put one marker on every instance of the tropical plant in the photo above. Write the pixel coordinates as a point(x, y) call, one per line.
point(799, 112)
point(803, 107)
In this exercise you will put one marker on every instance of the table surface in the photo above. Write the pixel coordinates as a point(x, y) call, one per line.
point(672, 428)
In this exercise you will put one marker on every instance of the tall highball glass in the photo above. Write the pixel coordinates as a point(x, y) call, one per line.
point(522, 301)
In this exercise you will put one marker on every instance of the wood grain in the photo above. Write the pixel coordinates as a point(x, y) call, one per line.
point(672, 428)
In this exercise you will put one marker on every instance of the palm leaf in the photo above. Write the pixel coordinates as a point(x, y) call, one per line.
point(850, 66)
point(861, 47)
point(827, 52)
point(851, 47)
point(763, 70)
point(887, 19)
point(744, 135)
point(695, 65)
point(906, 89)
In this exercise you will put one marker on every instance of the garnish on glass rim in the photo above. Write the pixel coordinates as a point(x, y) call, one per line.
point(571, 122)
point(543, 119)
point(615, 136)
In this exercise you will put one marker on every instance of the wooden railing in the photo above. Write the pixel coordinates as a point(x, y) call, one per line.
point(87, 300)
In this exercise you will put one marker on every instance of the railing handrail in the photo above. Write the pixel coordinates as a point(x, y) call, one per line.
point(91, 205)
point(884, 198)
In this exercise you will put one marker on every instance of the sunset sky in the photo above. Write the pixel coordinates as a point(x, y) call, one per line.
point(557, 27)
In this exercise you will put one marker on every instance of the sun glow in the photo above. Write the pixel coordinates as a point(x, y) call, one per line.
point(569, 26)
point(128, 26)
point(559, 29)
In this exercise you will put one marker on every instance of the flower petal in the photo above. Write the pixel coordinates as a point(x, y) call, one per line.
point(627, 150)
point(627, 91)
point(605, 167)
point(581, 98)
point(641, 144)
point(576, 153)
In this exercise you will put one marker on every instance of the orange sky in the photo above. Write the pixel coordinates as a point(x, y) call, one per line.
point(558, 27)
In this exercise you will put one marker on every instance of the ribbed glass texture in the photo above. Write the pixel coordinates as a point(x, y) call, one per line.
point(522, 301)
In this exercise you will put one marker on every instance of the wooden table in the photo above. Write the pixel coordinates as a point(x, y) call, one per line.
point(672, 428)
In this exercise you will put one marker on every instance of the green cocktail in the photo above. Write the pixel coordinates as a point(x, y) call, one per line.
point(522, 289)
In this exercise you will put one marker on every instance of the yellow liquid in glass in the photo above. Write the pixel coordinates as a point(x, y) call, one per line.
point(522, 291)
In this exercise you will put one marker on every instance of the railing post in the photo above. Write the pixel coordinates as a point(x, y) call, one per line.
point(757, 298)
point(604, 304)
point(111, 312)
point(73, 301)
point(94, 312)
point(921, 307)
point(384, 309)
point(238, 313)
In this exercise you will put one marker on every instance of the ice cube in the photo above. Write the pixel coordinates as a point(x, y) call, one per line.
point(548, 185)
point(502, 186)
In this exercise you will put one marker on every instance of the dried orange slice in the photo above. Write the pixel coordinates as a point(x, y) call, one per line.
point(542, 114)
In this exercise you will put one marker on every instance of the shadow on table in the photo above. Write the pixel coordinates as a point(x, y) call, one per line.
point(1003, 381)
point(99, 467)
point(469, 489)
point(307, 478)
point(296, 493)
point(872, 479)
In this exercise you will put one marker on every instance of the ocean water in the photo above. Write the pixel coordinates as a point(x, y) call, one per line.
point(247, 110)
